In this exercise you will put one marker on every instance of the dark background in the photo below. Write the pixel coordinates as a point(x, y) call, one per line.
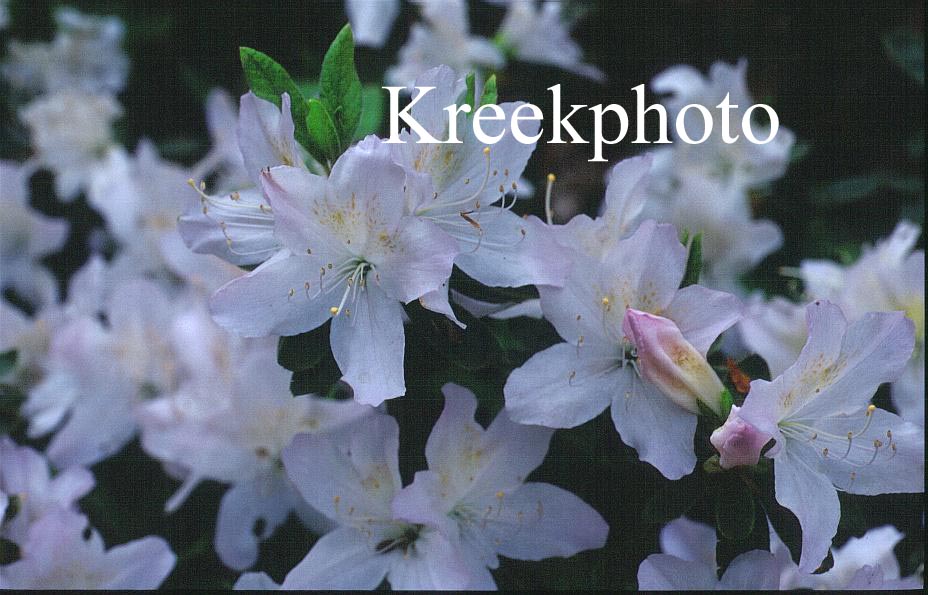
point(857, 115)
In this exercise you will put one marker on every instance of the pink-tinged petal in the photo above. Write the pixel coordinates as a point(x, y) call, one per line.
point(539, 520)
point(703, 314)
point(273, 299)
point(775, 330)
point(368, 342)
point(474, 461)
point(809, 494)
point(626, 191)
point(562, 386)
point(367, 180)
point(265, 134)
point(437, 301)
point(237, 227)
point(659, 429)
point(342, 559)
point(885, 454)
point(738, 442)
point(361, 480)
point(670, 362)
point(754, 570)
point(414, 261)
point(267, 498)
point(432, 564)
point(689, 540)
point(662, 572)
point(648, 267)
point(510, 251)
point(302, 220)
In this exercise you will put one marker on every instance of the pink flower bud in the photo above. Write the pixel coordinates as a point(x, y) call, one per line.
point(667, 360)
point(738, 442)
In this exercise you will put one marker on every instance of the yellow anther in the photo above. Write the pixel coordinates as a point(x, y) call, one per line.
point(551, 177)
point(486, 150)
point(871, 409)
point(333, 310)
point(499, 495)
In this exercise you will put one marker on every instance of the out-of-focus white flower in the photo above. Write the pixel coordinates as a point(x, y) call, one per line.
point(705, 187)
point(371, 20)
point(687, 563)
point(71, 131)
point(864, 563)
point(86, 55)
point(229, 422)
point(96, 374)
point(444, 38)
point(55, 555)
point(24, 474)
point(887, 277)
point(25, 236)
point(536, 32)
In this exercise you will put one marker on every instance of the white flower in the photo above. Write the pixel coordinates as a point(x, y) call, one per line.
point(536, 32)
point(687, 563)
point(572, 382)
point(443, 39)
point(351, 255)
point(25, 236)
point(71, 130)
point(229, 423)
point(55, 555)
point(24, 475)
point(371, 20)
point(827, 436)
point(85, 55)
point(475, 493)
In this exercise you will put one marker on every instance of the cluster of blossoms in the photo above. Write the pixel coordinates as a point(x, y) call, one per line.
point(174, 339)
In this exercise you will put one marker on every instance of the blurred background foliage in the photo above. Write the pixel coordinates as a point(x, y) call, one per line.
point(848, 79)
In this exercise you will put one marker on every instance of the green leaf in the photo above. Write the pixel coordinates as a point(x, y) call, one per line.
point(734, 509)
point(489, 95)
point(470, 93)
point(371, 112)
point(669, 502)
point(693, 261)
point(340, 87)
point(907, 49)
point(268, 80)
point(303, 351)
point(726, 402)
point(322, 135)
point(7, 362)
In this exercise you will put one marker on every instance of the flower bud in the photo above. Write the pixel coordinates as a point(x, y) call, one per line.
point(671, 363)
point(738, 442)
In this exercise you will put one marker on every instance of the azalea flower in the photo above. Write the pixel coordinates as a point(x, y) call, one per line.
point(687, 563)
point(55, 555)
point(24, 474)
point(536, 32)
point(95, 374)
point(140, 197)
point(775, 329)
point(70, 130)
point(238, 225)
point(228, 423)
point(444, 38)
point(25, 237)
point(705, 187)
point(862, 563)
point(826, 435)
point(370, 543)
point(887, 277)
point(475, 493)
point(610, 356)
point(371, 20)
point(85, 55)
point(351, 255)
point(463, 188)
